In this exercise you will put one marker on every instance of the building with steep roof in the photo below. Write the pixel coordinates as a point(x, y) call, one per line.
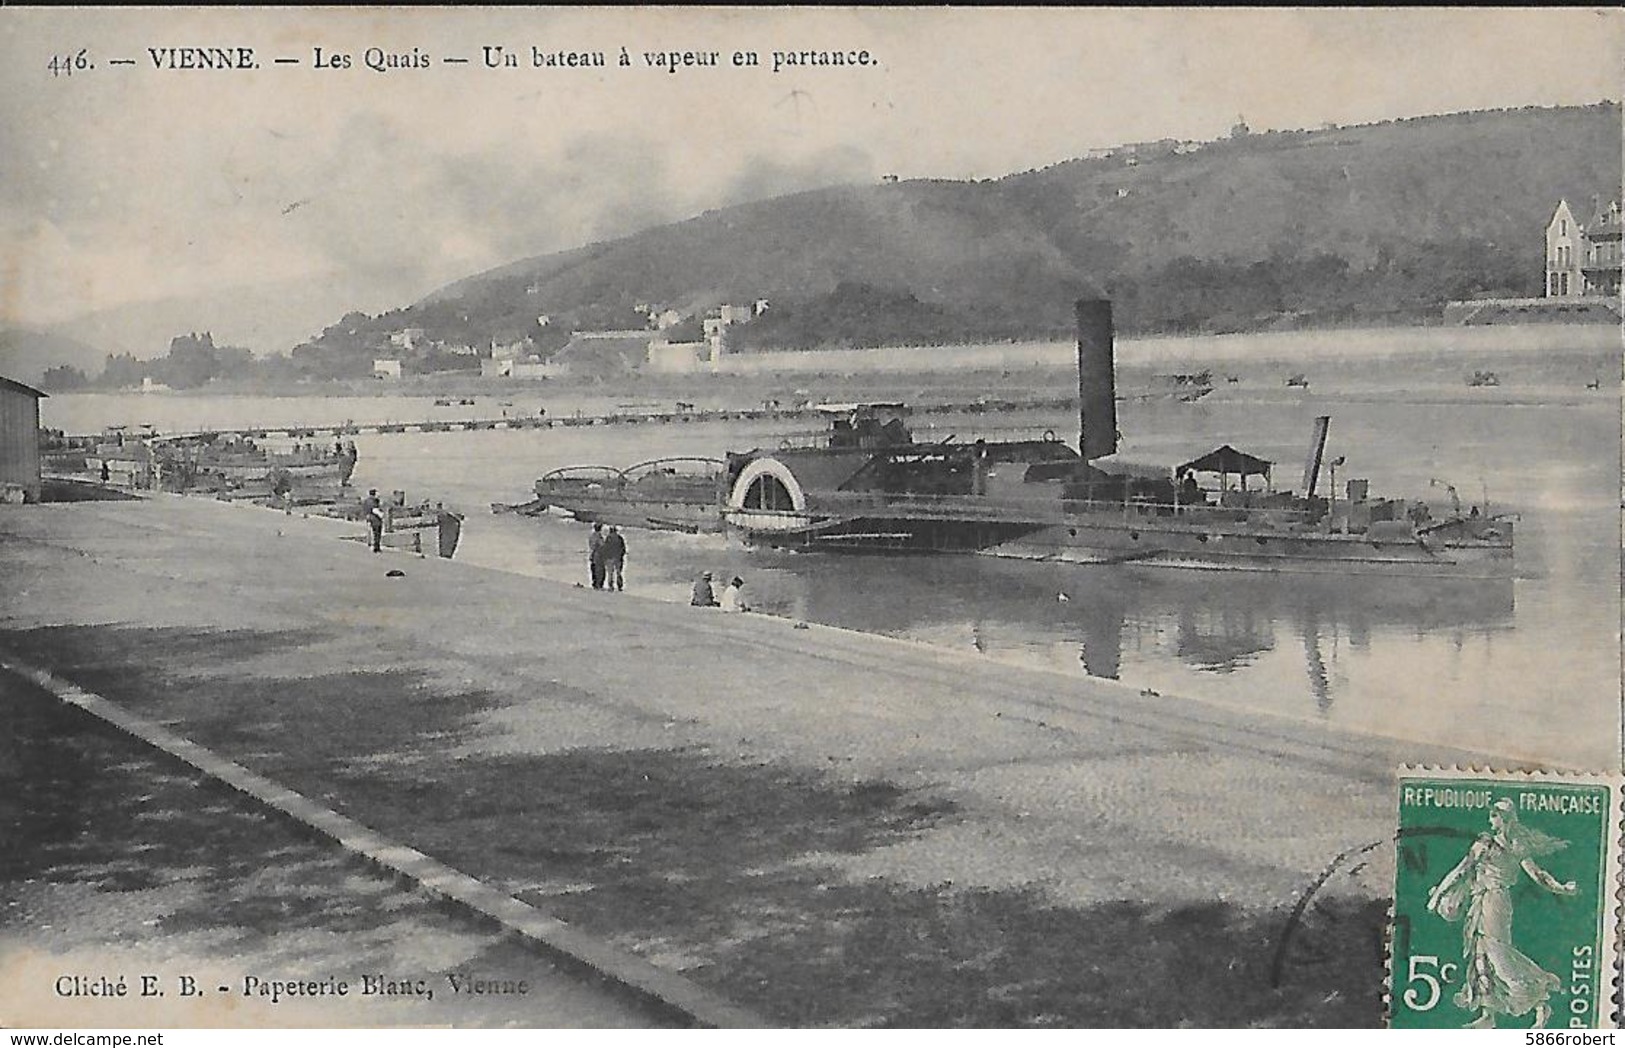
point(1603, 259)
point(1583, 259)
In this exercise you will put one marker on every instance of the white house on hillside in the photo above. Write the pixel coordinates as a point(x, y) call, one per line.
point(1564, 250)
point(407, 338)
point(1583, 258)
point(510, 345)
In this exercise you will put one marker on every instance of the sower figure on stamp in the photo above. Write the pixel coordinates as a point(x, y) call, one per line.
point(1499, 979)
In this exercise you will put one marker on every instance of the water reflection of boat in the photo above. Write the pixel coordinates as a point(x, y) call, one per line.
point(1211, 623)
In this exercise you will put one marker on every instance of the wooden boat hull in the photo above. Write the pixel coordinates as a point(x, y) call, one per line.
point(1124, 538)
point(247, 471)
point(1254, 549)
point(657, 514)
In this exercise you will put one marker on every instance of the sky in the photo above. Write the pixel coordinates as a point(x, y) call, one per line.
point(275, 198)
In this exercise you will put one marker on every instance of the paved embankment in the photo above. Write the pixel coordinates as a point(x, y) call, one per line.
point(820, 826)
point(121, 861)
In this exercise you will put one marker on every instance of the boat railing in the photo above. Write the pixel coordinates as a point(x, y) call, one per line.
point(1051, 510)
point(677, 475)
point(681, 467)
point(571, 477)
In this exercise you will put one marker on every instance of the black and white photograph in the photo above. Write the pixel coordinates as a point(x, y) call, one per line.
point(807, 518)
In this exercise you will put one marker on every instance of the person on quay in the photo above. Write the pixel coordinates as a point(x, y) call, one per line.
point(449, 526)
point(373, 511)
point(348, 456)
point(733, 598)
point(282, 489)
point(1190, 492)
point(702, 595)
point(614, 559)
point(595, 556)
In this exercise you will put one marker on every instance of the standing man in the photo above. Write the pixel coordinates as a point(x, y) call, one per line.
point(373, 511)
point(614, 559)
point(595, 556)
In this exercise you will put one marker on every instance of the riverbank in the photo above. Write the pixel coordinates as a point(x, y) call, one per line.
point(825, 827)
point(1455, 350)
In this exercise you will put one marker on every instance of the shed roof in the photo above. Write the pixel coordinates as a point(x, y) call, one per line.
point(9, 383)
point(1158, 464)
point(1227, 459)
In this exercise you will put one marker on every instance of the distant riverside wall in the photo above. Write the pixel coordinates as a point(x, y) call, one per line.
point(1593, 309)
point(1282, 345)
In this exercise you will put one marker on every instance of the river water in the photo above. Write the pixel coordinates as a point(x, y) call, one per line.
point(1528, 668)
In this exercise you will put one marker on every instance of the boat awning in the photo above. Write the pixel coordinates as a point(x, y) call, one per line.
point(1227, 459)
point(1149, 467)
point(1164, 465)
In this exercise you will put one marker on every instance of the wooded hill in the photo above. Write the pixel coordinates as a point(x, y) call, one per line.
point(1369, 224)
point(32, 357)
point(1336, 226)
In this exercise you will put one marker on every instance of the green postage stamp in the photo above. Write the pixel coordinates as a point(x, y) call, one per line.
point(1505, 901)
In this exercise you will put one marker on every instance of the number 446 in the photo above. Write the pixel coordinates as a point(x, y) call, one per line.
point(1427, 970)
point(67, 65)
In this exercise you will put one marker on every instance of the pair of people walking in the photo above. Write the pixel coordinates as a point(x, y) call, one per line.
point(606, 558)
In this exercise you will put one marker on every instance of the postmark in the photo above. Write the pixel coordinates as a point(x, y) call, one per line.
point(1505, 901)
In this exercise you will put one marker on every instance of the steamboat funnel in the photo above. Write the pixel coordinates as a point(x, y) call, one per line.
point(1097, 390)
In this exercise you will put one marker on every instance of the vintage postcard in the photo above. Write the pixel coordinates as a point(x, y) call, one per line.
point(588, 518)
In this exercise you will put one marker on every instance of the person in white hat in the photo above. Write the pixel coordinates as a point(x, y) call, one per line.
point(702, 596)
